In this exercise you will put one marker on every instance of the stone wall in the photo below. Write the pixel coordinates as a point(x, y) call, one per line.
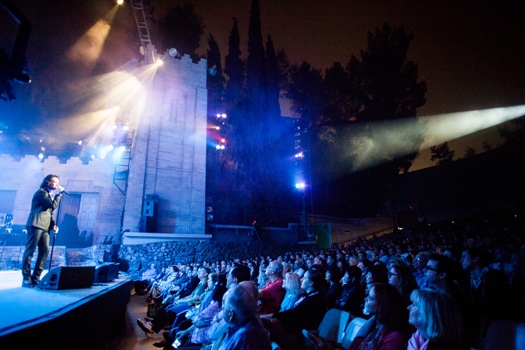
point(139, 257)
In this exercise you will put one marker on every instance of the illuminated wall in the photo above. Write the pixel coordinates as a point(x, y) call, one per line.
point(168, 159)
point(169, 152)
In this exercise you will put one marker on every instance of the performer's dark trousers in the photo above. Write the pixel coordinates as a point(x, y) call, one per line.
point(36, 237)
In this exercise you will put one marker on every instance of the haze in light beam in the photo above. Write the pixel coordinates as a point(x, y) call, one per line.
point(376, 143)
point(446, 127)
point(87, 49)
point(117, 97)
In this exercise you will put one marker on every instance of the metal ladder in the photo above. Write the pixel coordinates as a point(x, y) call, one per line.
point(142, 27)
point(121, 173)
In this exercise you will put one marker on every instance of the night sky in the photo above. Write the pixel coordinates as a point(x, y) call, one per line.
point(470, 53)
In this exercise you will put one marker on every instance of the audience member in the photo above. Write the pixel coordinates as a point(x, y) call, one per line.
point(353, 292)
point(488, 289)
point(307, 313)
point(146, 279)
point(437, 320)
point(401, 277)
point(333, 278)
point(272, 293)
point(167, 315)
point(388, 326)
point(200, 324)
point(298, 267)
point(245, 330)
point(292, 285)
point(419, 264)
point(376, 274)
point(218, 327)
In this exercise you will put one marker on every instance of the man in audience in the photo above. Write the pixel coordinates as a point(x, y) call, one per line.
point(167, 315)
point(419, 264)
point(298, 267)
point(245, 330)
point(272, 293)
point(219, 326)
point(488, 288)
point(441, 274)
point(146, 280)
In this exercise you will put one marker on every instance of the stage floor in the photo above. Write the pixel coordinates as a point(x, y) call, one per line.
point(25, 307)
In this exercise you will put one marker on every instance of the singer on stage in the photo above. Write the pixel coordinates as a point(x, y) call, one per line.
point(39, 223)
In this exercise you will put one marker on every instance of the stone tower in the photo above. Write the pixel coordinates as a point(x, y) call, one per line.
point(168, 159)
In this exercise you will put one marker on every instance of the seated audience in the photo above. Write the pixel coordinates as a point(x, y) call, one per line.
point(353, 292)
point(245, 330)
point(200, 323)
point(148, 276)
point(307, 313)
point(401, 277)
point(272, 293)
point(179, 305)
point(333, 277)
point(419, 263)
point(376, 273)
point(488, 289)
point(292, 286)
point(218, 327)
point(388, 326)
point(437, 320)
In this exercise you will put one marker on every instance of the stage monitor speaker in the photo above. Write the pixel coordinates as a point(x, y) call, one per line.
point(68, 277)
point(106, 272)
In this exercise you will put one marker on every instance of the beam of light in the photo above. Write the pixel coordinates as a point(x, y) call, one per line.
point(119, 97)
point(446, 127)
point(87, 49)
point(375, 143)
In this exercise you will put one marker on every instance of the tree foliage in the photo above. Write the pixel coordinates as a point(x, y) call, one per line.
point(251, 182)
point(181, 28)
point(363, 118)
point(441, 153)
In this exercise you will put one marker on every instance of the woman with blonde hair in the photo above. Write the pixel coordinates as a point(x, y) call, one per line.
point(292, 285)
point(437, 320)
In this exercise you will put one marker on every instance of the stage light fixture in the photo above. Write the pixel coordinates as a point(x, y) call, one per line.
point(300, 185)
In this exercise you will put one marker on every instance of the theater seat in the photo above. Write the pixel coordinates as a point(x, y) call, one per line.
point(351, 331)
point(505, 334)
point(331, 328)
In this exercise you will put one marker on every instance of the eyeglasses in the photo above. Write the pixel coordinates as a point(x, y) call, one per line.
point(431, 268)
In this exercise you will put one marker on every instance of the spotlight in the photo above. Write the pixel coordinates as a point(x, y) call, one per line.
point(120, 2)
point(300, 185)
point(299, 155)
point(173, 52)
